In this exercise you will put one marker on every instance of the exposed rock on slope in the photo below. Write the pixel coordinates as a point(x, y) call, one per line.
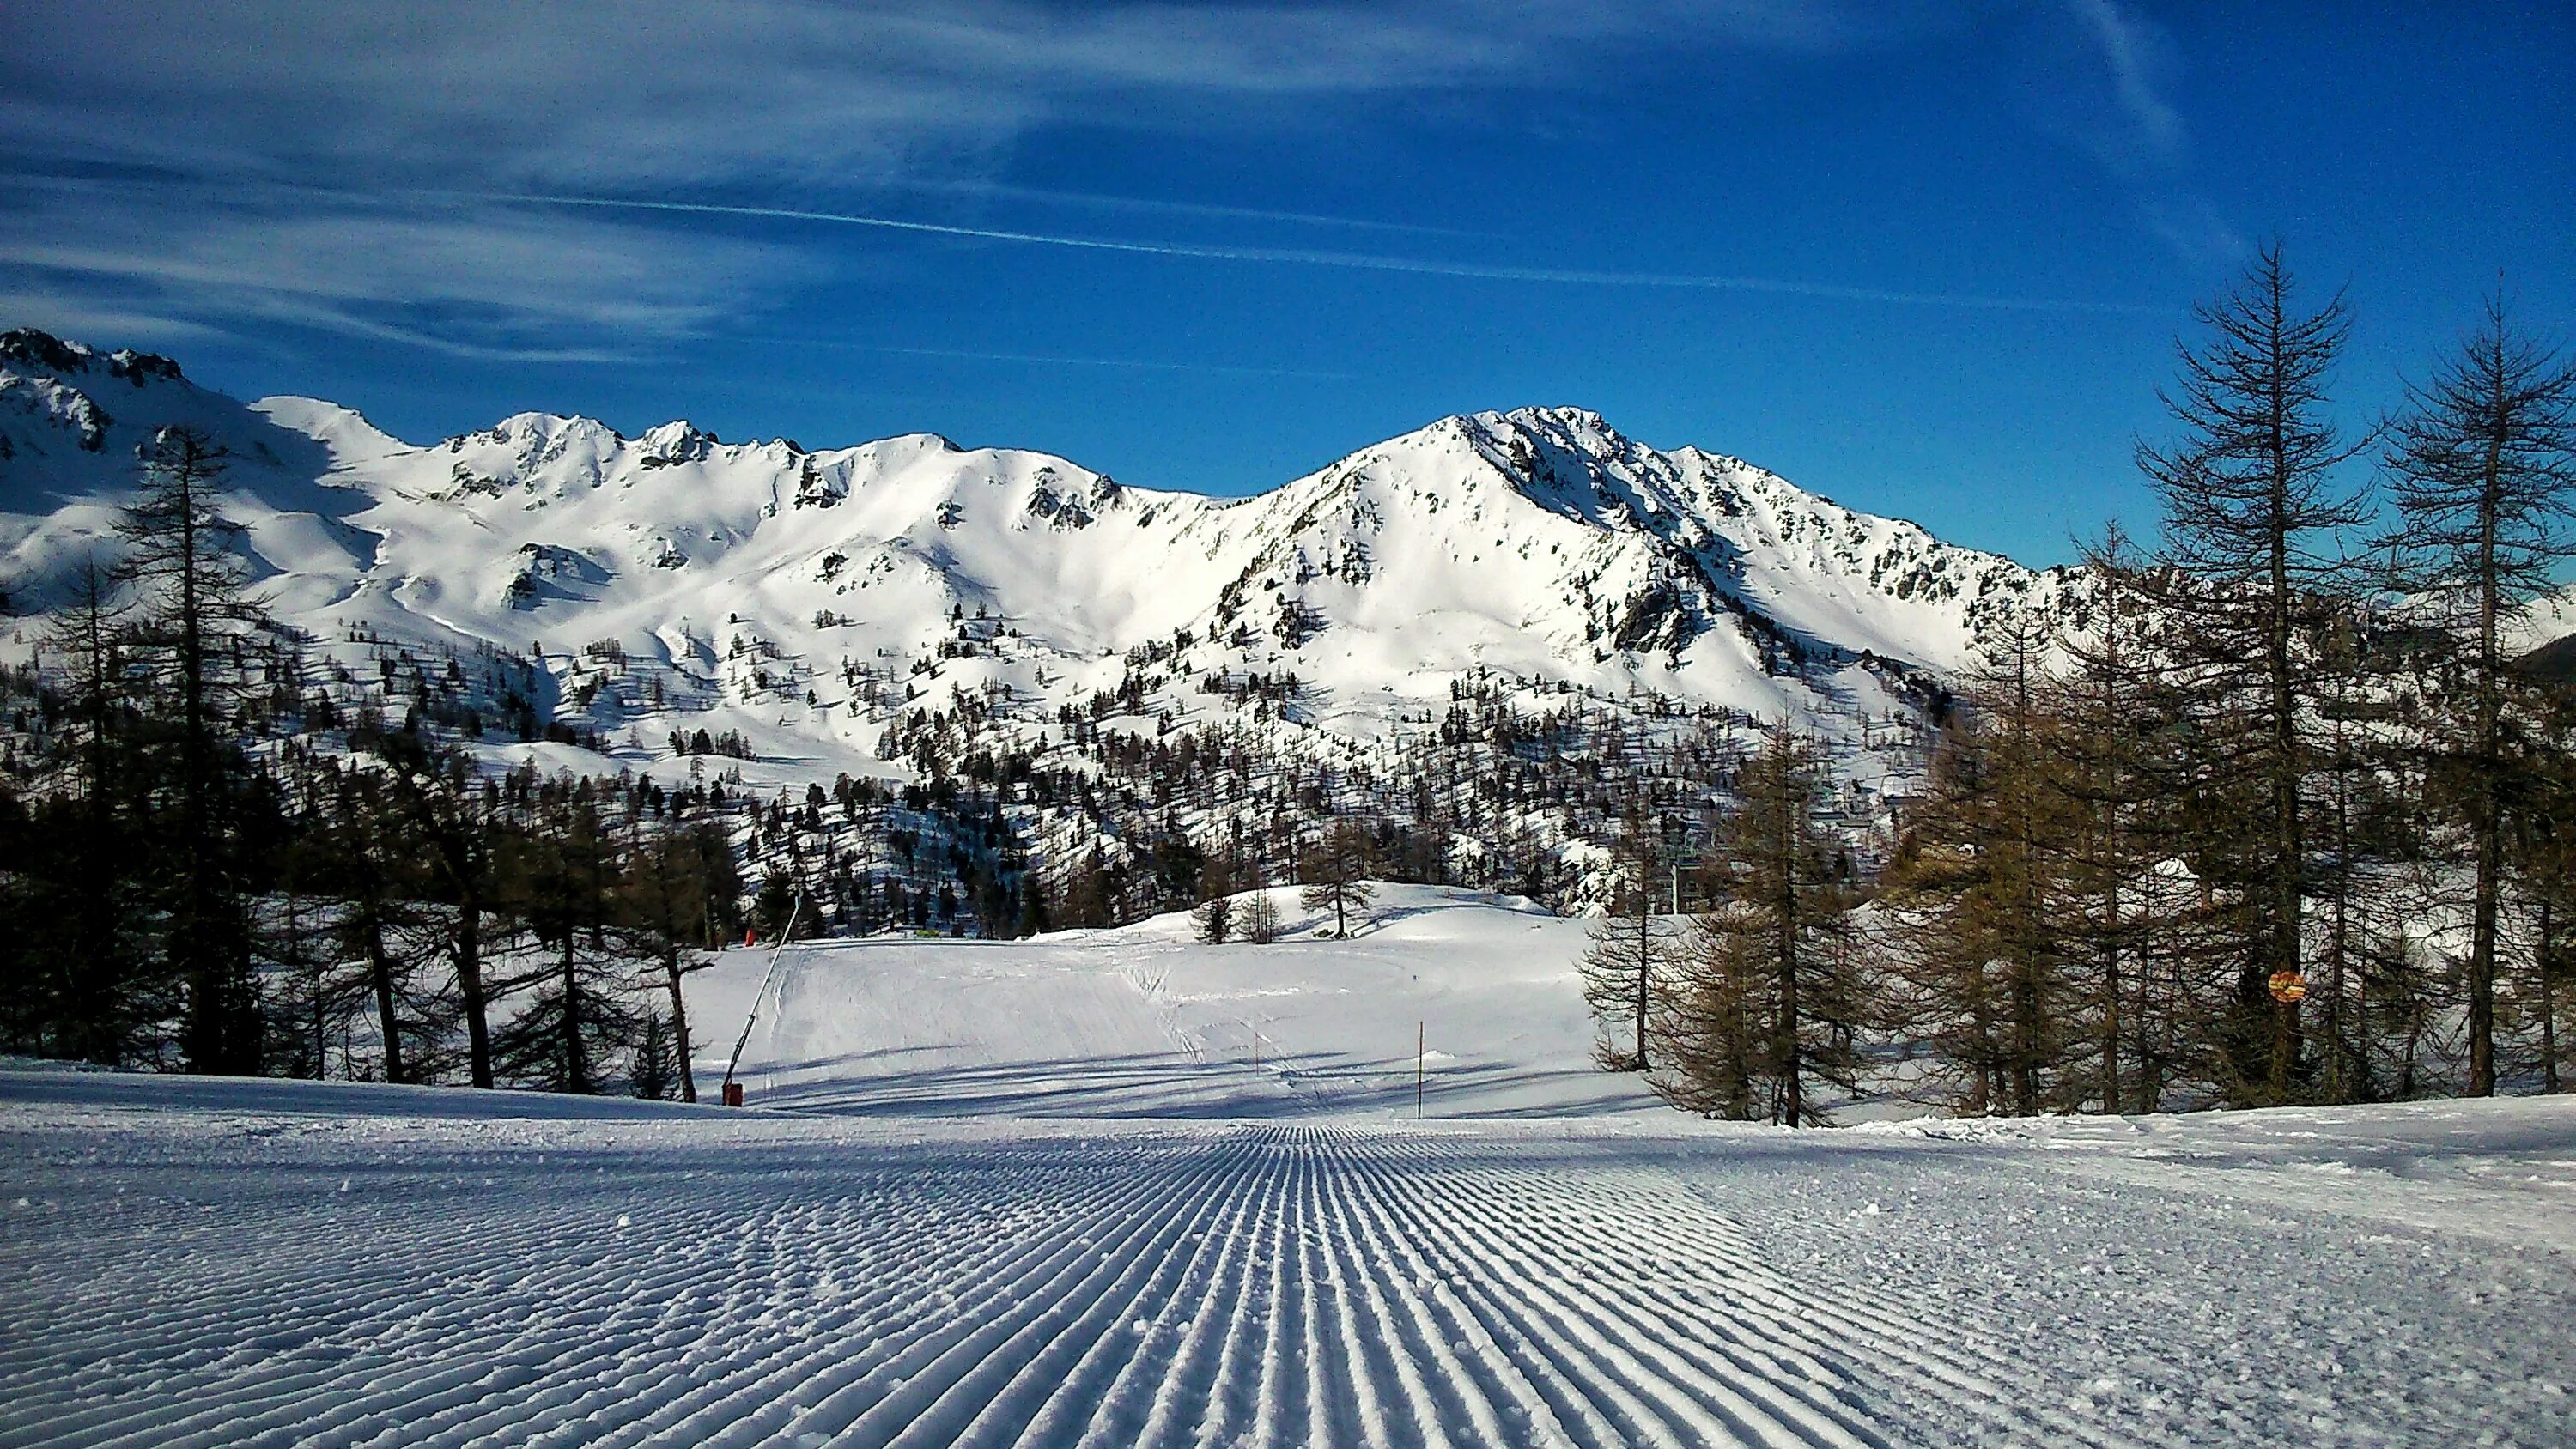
point(1539, 544)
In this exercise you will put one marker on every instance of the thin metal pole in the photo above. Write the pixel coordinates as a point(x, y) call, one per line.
point(1421, 1035)
point(752, 1015)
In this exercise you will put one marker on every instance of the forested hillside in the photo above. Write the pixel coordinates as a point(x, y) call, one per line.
point(2262, 808)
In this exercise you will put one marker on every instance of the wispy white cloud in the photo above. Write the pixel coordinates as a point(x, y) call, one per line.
point(2105, 75)
point(484, 281)
point(594, 94)
point(1043, 359)
point(67, 314)
point(285, 133)
point(292, 142)
point(2134, 55)
point(1155, 206)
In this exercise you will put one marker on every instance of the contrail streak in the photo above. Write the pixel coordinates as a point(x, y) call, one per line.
point(1000, 191)
point(1351, 261)
point(1137, 364)
point(1293, 256)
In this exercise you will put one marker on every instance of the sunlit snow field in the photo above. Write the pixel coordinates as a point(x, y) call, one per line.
point(1043, 1194)
point(1144, 1020)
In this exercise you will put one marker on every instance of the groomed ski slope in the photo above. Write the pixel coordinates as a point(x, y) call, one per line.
point(954, 1239)
point(244, 1263)
point(1143, 1020)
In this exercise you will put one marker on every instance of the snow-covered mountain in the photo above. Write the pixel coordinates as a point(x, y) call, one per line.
point(797, 595)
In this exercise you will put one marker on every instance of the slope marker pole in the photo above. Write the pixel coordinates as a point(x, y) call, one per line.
point(732, 1095)
point(1421, 1035)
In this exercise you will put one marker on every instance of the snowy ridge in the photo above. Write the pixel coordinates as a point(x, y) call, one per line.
point(1539, 544)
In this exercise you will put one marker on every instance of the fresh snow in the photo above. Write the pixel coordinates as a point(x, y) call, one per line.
point(1540, 544)
point(1142, 1020)
point(1116, 1187)
point(204, 1262)
point(1038, 1193)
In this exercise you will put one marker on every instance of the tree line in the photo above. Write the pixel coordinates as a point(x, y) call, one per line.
point(2263, 811)
point(2266, 812)
point(191, 885)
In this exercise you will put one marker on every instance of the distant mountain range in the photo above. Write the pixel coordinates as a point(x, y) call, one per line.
point(738, 579)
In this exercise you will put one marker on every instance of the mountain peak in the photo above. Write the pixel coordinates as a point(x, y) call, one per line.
point(42, 350)
point(1569, 427)
point(1574, 421)
point(1538, 541)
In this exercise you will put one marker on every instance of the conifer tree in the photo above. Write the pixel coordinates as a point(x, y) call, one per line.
point(1711, 1033)
point(559, 872)
point(195, 618)
point(370, 873)
point(1260, 914)
point(1336, 874)
point(1979, 889)
point(675, 879)
point(2482, 468)
point(1786, 890)
point(315, 1000)
point(85, 891)
point(2254, 515)
point(1213, 916)
point(2543, 845)
point(655, 1069)
point(1631, 949)
point(2105, 751)
point(434, 793)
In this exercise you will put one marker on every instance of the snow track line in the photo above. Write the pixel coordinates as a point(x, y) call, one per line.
point(1295, 1285)
point(1068, 1339)
point(1589, 1344)
point(1768, 1354)
point(899, 1325)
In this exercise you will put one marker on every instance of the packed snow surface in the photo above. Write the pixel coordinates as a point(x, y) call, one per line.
point(1143, 1020)
point(933, 1226)
point(232, 1262)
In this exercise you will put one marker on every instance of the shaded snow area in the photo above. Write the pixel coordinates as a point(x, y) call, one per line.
point(224, 1262)
point(1143, 1020)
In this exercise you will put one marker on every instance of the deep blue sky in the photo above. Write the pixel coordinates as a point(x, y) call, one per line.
point(1971, 231)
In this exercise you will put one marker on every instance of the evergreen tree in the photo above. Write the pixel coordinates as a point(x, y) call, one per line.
point(1260, 914)
point(559, 874)
point(2105, 756)
point(1087, 893)
point(1713, 1035)
point(444, 816)
point(675, 879)
point(2543, 845)
point(1214, 916)
point(370, 872)
point(1336, 874)
point(192, 635)
point(1631, 950)
point(1785, 890)
point(2482, 468)
point(2252, 539)
point(657, 1062)
point(2014, 894)
point(83, 892)
point(314, 1000)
